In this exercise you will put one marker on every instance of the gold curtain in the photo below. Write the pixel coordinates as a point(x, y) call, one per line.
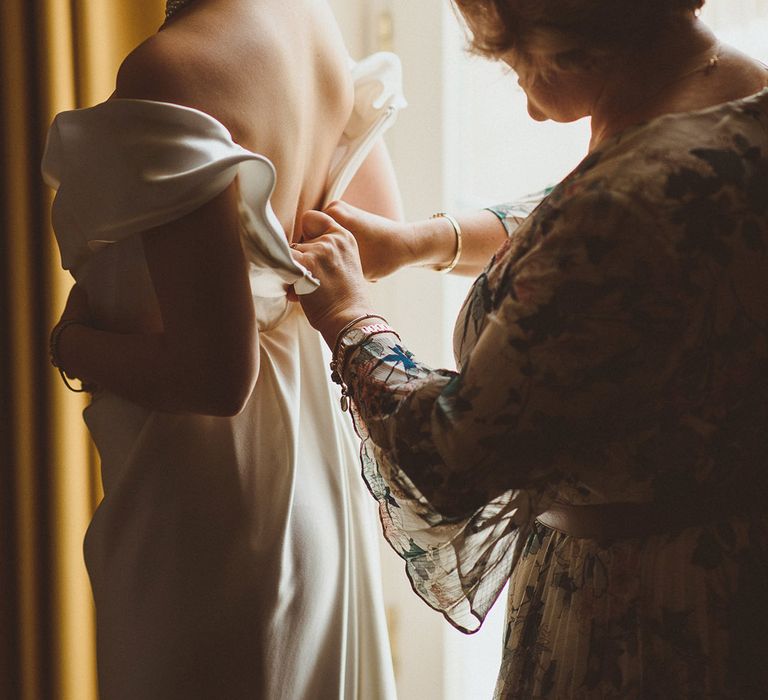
point(54, 55)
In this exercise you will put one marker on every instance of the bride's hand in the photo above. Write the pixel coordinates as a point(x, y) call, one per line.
point(76, 308)
point(385, 246)
point(330, 253)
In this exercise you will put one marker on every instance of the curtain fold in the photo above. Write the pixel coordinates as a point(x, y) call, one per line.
point(54, 55)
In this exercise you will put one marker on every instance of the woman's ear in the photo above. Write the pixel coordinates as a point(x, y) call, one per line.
point(577, 60)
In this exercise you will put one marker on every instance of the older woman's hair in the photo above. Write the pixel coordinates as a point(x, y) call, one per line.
point(563, 29)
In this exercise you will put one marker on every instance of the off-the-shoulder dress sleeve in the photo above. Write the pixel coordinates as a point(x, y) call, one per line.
point(128, 165)
point(462, 462)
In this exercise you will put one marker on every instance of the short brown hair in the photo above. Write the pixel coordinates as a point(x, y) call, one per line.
point(525, 27)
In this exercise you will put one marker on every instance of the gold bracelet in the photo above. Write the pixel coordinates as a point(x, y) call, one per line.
point(457, 230)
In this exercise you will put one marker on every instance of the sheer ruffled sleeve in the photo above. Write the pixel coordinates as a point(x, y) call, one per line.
point(462, 462)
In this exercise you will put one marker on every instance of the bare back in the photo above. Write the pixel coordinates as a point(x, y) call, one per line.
point(275, 73)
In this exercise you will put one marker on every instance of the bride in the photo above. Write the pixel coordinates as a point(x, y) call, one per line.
point(234, 554)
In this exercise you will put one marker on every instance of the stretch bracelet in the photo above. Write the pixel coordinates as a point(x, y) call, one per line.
point(53, 347)
point(352, 340)
point(457, 231)
point(349, 325)
point(351, 337)
point(335, 359)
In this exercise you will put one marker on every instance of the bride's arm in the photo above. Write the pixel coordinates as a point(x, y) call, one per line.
point(374, 186)
point(205, 360)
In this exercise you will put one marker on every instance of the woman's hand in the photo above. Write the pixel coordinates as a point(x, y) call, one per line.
point(385, 246)
point(330, 252)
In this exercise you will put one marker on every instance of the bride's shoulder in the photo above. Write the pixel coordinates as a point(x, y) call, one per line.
point(160, 69)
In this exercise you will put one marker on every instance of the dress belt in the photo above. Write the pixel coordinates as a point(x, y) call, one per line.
point(621, 521)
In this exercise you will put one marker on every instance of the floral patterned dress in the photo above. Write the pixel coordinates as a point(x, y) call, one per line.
point(614, 350)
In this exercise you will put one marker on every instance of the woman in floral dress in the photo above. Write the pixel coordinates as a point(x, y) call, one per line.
point(602, 445)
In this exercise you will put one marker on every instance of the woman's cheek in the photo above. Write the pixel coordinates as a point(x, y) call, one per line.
point(535, 112)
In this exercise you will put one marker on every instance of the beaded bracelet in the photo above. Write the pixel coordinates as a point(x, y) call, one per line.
point(340, 349)
point(335, 359)
point(349, 325)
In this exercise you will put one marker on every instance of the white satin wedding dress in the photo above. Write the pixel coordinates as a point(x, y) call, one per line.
point(230, 557)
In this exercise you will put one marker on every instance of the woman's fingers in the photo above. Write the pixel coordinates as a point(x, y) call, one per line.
point(299, 255)
point(384, 245)
point(316, 223)
point(330, 253)
point(344, 211)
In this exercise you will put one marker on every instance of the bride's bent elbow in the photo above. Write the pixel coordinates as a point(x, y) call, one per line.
point(210, 367)
point(219, 384)
point(230, 388)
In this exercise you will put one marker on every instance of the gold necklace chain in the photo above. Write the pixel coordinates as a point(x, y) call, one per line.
point(707, 68)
